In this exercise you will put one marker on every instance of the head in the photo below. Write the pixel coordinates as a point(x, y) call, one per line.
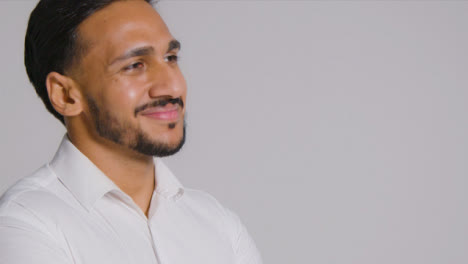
point(107, 69)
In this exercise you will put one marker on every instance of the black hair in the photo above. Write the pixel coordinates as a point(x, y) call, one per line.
point(52, 42)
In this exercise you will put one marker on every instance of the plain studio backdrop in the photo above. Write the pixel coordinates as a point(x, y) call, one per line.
point(337, 130)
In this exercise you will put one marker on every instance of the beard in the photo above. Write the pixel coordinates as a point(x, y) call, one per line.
point(122, 133)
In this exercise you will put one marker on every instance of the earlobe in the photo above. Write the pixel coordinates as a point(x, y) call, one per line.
point(64, 94)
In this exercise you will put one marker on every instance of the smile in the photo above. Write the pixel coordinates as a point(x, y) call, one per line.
point(169, 112)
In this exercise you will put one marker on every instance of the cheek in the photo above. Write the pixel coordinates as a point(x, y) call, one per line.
point(131, 95)
point(122, 95)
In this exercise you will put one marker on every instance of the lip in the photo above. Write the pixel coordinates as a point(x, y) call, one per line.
point(168, 112)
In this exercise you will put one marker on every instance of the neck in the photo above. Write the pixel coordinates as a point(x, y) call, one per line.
point(132, 172)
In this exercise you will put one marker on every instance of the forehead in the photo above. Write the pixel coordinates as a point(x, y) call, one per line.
point(122, 25)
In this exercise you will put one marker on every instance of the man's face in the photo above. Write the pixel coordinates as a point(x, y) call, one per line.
point(135, 92)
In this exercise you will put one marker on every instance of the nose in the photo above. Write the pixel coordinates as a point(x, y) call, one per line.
point(167, 80)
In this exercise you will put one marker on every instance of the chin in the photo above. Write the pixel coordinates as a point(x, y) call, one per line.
point(163, 144)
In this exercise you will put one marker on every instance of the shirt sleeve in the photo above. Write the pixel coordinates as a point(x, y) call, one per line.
point(243, 244)
point(23, 243)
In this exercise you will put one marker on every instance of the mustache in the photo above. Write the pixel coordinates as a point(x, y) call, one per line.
point(160, 102)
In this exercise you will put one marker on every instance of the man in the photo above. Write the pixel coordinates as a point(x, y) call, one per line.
point(108, 71)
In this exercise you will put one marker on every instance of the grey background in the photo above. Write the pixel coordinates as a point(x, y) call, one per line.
point(335, 129)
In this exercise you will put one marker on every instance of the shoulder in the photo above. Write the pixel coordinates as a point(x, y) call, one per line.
point(205, 202)
point(30, 197)
point(228, 222)
point(26, 233)
point(207, 205)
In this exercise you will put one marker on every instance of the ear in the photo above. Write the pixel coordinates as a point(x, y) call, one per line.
point(64, 94)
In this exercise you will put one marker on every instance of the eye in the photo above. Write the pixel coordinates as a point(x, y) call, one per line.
point(134, 66)
point(172, 58)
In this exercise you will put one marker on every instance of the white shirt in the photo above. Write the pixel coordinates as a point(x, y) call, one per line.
point(68, 211)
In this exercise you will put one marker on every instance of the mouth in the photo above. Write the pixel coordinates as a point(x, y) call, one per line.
point(164, 109)
point(169, 112)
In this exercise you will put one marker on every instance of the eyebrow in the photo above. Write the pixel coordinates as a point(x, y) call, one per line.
point(145, 51)
point(173, 45)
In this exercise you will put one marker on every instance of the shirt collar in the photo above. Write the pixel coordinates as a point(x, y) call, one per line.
point(89, 184)
point(167, 184)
